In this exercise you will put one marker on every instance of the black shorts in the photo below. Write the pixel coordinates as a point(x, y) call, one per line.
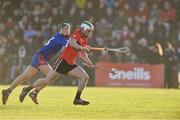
point(62, 67)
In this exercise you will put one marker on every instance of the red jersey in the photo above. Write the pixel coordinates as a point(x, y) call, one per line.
point(70, 54)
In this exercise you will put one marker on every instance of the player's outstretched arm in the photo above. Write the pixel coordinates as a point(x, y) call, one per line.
point(72, 42)
point(84, 56)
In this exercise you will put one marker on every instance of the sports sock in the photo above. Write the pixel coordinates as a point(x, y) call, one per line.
point(9, 90)
point(36, 91)
point(78, 95)
point(29, 88)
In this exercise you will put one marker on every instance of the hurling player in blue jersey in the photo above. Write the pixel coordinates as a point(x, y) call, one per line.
point(41, 57)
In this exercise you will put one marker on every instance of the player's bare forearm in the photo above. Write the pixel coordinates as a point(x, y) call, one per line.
point(73, 43)
point(84, 56)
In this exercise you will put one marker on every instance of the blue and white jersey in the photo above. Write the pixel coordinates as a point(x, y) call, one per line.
point(53, 46)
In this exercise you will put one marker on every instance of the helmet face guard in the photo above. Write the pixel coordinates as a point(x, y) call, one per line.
point(86, 25)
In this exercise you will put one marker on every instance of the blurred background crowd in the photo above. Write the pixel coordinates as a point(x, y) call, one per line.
point(150, 28)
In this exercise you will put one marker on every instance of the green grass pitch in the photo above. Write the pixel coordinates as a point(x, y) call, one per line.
point(106, 104)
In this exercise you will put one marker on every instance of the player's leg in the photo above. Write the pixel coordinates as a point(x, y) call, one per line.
point(51, 76)
point(43, 68)
point(83, 76)
point(39, 83)
point(33, 94)
point(26, 75)
point(42, 82)
point(77, 71)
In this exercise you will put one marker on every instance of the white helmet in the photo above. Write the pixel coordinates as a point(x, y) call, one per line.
point(86, 25)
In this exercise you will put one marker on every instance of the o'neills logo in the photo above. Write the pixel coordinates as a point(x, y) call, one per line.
point(138, 73)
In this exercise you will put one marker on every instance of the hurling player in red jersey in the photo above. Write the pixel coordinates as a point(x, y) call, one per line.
point(65, 64)
point(40, 58)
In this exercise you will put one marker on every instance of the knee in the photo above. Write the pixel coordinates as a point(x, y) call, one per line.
point(86, 77)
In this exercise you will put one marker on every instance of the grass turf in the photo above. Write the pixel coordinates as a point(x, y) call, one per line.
point(106, 103)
